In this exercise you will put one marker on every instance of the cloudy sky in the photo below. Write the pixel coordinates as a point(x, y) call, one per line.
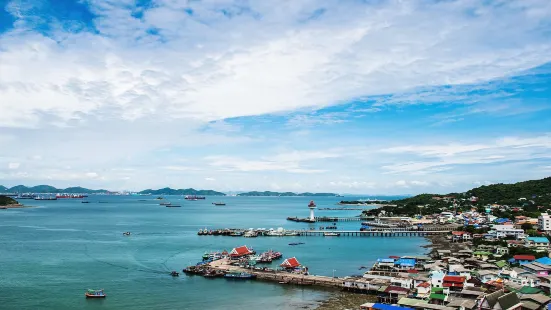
point(347, 96)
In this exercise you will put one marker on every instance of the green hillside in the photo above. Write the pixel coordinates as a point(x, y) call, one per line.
point(5, 200)
point(532, 197)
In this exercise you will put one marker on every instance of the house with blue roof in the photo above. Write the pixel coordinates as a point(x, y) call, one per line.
point(544, 260)
point(405, 263)
point(540, 243)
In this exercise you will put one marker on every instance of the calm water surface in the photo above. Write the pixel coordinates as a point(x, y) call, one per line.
point(51, 254)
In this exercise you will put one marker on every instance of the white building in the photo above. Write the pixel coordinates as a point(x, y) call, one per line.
point(502, 231)
point(544, 222)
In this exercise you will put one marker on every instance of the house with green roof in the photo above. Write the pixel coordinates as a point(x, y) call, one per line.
point(438, 296)
point(499, 300)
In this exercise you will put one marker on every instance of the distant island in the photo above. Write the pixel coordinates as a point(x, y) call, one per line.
point(43, 189)
point(48, 189)
point(187, 191)
point(5, 201)
point(10, 203)
point(286, 194)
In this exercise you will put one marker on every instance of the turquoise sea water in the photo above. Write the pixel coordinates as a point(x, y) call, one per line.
point(51, 254)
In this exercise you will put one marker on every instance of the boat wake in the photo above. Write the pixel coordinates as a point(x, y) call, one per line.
point(148, 270)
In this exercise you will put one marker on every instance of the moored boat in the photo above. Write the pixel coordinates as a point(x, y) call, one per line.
point(175, 274)
point(239, 276)
point(165, 203)
point(126, 233)
point(219, 203)
point(95, 294)
point(331, 234)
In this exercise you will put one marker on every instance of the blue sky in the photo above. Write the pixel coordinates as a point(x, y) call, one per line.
point(370, 97)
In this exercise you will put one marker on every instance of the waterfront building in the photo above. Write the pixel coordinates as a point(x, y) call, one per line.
point(544, 222)
point(240, 252)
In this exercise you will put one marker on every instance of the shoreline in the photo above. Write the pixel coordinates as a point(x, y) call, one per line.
point(343, 300)
point(15, 206)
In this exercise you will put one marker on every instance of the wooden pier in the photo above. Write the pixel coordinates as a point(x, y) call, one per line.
point(282, 277)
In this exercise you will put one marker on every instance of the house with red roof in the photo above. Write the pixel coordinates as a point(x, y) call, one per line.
point(240, 252)
point(522, 259)
point(461, 236)
point(454, 283)
point(290, 263)
point(423, 289)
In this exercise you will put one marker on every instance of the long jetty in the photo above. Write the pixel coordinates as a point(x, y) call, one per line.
point(330, 219)
point(380, 232)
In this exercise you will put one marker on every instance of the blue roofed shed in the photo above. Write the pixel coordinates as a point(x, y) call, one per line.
point(405, 262)
point(378, 306)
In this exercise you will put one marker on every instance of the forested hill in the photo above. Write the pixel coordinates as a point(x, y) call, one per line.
point(537, 190)
point(4, 201)
point(528, 194)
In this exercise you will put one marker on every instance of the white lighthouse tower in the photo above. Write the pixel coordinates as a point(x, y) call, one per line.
point(312, 206)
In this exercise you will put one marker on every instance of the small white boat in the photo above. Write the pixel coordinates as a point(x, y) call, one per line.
point(331, 234)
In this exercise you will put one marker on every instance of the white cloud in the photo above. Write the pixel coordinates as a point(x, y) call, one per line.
point(211, 67)
point(13, 166)
point(210, 179)
point(445, 156)
point(362, 185)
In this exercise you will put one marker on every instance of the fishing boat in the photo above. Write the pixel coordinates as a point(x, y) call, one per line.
point(296, 243)
point(126, 233)
point(46, 197)
point(240, 276)
point(70, 196)
point(219, 203)
point(237, 233)
point(84, 201)
point(95, 294)
point(165, 203)
point(194, 197)
point(331, 234)
point(250, 234)
point(173, 206)
point(175, 273)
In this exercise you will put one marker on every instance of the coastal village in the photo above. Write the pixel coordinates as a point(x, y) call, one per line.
point(481, 260)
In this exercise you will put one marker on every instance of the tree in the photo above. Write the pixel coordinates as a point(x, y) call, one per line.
point(527, 226)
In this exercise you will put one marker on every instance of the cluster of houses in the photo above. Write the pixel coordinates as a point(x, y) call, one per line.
point(456, 281)
point(482, 278)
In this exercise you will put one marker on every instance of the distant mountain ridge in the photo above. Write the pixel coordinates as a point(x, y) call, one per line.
point(187, 191)
point(286, 194)
point(41, 189)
